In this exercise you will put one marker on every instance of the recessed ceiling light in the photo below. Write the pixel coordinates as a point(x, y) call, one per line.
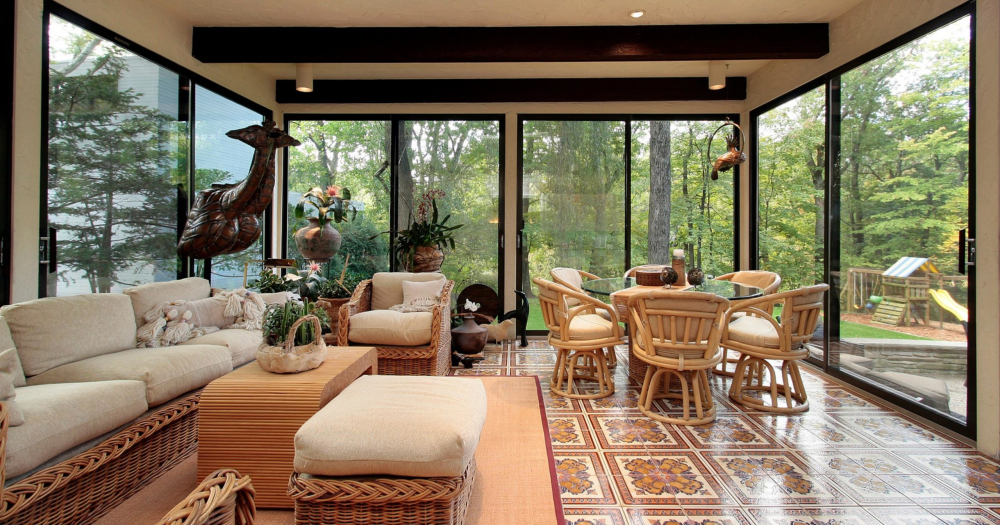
point(637, 13)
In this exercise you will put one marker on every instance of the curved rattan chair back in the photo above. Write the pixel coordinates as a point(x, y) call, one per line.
point(800, 312)
point(553, 301)
point(677, 325)
point(768, 282)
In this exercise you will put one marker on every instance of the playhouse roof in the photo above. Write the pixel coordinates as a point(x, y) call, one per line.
point(905, 266)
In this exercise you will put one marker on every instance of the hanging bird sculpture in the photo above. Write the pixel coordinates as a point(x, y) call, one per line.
point(733, 156)
point(226, 217)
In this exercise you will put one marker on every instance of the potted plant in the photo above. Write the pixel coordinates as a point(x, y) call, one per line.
point(320, 241)
point(335, 293)
point(419, 248)
point(270, 282)
point(309, 281)
point(293, 340)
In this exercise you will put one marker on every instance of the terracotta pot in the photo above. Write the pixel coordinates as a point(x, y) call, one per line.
point(427, 259)
point(318, 244)
point(332, 307)
point(470, 338)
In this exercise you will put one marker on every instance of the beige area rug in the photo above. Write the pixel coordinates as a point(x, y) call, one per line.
point(515, 478)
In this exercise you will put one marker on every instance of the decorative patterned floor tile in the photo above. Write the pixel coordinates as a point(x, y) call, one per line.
point(569, 431)
point(970, 473)
point(960, 516)
point(843, 400)
point(810, 431)
point(534, 359)
point(848, 462)
point(476, 371)
point(812, 516)
point(556, 404)
point(871, 489)
point(689, 516)
point(769, 478)
point(733, 431)
point(664, 479)
point(492, 359)
point(624, 400)
point(894, 431)
point(634, 431)
point(582, 480)
point(594, 516)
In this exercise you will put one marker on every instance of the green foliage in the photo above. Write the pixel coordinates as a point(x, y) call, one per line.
point(278, 320)
point(427, 230)
point(333, 200)
point(333, 289)
point(270, 282)
point(309, 284)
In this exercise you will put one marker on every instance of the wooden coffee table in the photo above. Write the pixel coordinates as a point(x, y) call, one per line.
point(248, 418)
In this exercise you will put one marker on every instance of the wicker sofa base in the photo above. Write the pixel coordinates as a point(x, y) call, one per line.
point(85, 487)
point(382, 501)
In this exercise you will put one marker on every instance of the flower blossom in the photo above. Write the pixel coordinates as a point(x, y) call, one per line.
point(333, 191)
point(313, 267)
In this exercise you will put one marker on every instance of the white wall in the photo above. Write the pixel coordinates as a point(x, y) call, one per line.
point(141, 21)
point(866, 27)
point(511, 111)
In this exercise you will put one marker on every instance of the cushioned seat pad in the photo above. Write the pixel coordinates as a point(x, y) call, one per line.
point(395, 425)
point(242, 344)
point(755, 331)
point(61, 416)
point(167, 372)
point(387, 327)
point(586, 327)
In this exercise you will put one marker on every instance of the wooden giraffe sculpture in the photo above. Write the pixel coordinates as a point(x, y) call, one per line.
point(226, 217)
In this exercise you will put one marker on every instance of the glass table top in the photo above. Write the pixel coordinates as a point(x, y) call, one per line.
point(727, 289)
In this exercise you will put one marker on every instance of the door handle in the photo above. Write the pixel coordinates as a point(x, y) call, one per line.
point(966, 251)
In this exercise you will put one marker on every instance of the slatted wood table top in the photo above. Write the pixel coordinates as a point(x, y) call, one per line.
point(248, 418)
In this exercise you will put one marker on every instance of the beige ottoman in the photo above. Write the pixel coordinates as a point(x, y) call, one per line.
point(390, 450)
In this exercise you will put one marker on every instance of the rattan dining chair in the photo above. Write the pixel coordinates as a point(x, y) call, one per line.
point(768, 282)
point(677, 334)
point(580, 337)
point(760, 338)
point(574, 279)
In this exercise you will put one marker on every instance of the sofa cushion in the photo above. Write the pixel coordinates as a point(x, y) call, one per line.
point(167, 371)
point(58, 330)
point(276, 297)
point(387, 287)
point(242, 344)
point(396, 426)
point(387, 327)
point(5, 343)
point(8, 358)
point(145, 297)
point(59, 417)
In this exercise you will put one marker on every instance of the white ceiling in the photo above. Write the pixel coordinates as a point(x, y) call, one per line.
point(416, 13)
point(437, 13)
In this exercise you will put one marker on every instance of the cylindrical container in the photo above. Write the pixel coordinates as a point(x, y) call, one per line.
point(678, 264)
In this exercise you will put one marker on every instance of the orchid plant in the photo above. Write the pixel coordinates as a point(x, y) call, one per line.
point(426, 230)
point(331, 204)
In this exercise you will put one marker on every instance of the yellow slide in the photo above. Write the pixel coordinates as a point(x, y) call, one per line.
point(946, 301)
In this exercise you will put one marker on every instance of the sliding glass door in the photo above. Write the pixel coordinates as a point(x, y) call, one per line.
point(865, 181)
point(603, 194)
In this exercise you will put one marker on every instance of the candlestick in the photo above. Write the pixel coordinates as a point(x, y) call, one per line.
point(678, 253)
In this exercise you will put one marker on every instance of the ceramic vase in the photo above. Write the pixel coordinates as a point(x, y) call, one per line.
point(470, 338)
point(316, 243)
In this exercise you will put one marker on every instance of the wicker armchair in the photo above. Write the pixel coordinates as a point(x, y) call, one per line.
point(223, 498)
point(433, 358)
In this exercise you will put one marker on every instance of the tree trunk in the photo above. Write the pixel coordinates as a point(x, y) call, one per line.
point(659, 192)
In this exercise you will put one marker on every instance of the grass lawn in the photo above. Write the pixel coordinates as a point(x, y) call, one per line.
point(847, 330)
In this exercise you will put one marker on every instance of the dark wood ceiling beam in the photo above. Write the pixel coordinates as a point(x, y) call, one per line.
point(509, 90)
point(510, 44)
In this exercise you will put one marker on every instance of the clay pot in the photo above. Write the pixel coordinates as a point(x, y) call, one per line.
point(427, 259)
point(318, 244)
point(332, 307)
point(470, 338)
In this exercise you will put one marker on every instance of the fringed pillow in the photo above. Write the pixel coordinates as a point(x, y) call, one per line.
point(175, 322)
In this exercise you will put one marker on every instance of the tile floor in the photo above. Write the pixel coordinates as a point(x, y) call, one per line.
point(849, 460)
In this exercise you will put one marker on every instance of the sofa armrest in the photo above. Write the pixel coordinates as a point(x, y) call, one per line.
point(361, 301)
point(442, 316)
point(3, 444)
point(212, 497)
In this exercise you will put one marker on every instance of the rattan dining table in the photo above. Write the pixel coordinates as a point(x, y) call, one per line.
point(618, 290)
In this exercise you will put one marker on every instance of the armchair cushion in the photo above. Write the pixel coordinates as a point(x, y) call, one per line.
point(387, 327)
point(7, 342)
point(755, 331)
point(590, 326)
point(387, 287)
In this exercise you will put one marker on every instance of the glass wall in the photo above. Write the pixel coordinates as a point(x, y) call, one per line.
point(459, 160)
point(117, 166)
point(119, 172)
point(219, 159)
point(885, 143)
point(353, 154)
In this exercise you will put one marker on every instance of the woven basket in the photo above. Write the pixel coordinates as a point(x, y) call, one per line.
point(648, 277)
point(288, 359)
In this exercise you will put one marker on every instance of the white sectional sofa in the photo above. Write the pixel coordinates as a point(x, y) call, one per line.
point(85, 379)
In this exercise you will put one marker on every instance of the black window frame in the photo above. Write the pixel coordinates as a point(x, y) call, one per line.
point(7, 49)
point(395, 119)
point(627, 119)
point(184, 94)
point(831, 251)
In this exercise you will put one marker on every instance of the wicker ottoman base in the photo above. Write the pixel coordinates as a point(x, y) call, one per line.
point(381, 501)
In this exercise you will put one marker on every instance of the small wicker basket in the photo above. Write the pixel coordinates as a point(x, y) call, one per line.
point(649, 276)
point(288, 359)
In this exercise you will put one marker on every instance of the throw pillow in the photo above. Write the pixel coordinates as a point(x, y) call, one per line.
point(414, 290)
point(9, 364)
point(7, 341)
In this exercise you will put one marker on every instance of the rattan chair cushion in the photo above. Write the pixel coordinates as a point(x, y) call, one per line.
point(755, 331)
point(388, 327)
point(395, 426)
point(586, 327)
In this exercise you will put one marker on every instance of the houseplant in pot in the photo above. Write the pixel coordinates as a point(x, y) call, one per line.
point(335, 293)
point(419, 248)
point(320, 241)
point(293, 339)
